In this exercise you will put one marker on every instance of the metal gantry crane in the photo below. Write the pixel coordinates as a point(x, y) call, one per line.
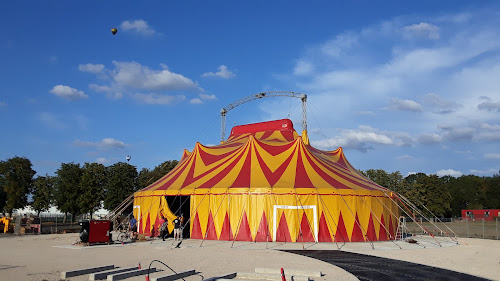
point(246, 99)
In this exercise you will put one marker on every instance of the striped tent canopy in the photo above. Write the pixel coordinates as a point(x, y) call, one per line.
point(266, 184)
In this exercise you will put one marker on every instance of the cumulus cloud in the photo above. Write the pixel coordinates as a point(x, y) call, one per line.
point(207, 97)
point(422, 30)
point(158, 98)
point(489, 106)
point(135, 75)
point(449, 172)
point(361, 139)
point(68, 93)
point(138, 26)
point(127, 77)
point(404, 105)
point(223, 72)
point(106, 143)
point(91, 68)
point(196, 101)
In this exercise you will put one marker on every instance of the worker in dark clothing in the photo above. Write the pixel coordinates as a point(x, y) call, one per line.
point(177, 228)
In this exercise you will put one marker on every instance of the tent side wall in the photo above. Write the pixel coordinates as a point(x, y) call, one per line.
point(293, 218)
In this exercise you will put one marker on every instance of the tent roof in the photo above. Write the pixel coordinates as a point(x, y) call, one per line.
point(267, 157)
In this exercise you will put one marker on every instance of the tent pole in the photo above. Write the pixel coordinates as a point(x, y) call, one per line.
point(357, 221)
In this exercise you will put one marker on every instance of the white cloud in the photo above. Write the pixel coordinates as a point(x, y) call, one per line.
point(3, 104)
point(135, 75)
point(195, 101)
point(360, 139)
point(404, 105)
point(207, 97)
point(68, 93)
point(494, 156)
point(223, 72)
point(138, 26)
point(422, 30)
point(106, 143)
point(91, 68)
point(158, 98)
point(449, 172)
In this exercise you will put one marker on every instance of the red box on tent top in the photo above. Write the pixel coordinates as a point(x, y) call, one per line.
point(276, 125)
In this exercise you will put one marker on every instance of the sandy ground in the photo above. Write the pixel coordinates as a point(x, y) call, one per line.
point(44, 257)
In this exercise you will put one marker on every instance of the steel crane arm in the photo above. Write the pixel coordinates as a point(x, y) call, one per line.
point(246, 99)
point(262, 95)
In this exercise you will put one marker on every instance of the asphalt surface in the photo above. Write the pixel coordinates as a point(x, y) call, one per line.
point(370, 268)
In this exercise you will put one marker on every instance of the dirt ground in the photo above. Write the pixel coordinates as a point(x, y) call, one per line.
point(44, 257)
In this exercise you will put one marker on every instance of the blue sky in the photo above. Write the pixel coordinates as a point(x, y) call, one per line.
point(409, 86)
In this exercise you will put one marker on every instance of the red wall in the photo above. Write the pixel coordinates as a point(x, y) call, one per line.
point(480, 214)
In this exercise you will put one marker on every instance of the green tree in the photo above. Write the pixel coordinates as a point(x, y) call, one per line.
point(467, 192)
point(122, 181)
point(147, 177)
point(67, 188)
point(428, 193)
point(92, 185)
point(43, 192)
point(17, 182)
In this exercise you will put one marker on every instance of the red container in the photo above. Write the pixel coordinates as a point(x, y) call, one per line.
point(99, 231)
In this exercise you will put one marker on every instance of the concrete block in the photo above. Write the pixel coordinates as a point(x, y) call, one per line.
point(289, 271)
point(104, 274)
point(66, 274)
point(177, 276)
point(124, 275)
point(228, 276)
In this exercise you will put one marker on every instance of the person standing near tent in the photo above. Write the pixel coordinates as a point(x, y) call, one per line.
point(181, 218)
point(163, 229)
point(177, 229)
point(132, 224)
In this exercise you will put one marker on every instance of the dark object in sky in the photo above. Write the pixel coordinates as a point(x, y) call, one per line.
point(128, 157)
point(114, 30)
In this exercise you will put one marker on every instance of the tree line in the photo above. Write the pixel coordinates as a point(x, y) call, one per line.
point(75, 189)
point(442, 196)
point(80, 189)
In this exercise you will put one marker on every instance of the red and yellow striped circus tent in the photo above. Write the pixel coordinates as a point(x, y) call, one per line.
point(265, 183)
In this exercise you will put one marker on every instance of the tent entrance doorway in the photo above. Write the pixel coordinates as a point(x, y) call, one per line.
point(297, 220)
point(180, 205)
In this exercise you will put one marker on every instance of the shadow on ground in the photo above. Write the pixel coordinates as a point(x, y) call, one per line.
point(371, 268)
